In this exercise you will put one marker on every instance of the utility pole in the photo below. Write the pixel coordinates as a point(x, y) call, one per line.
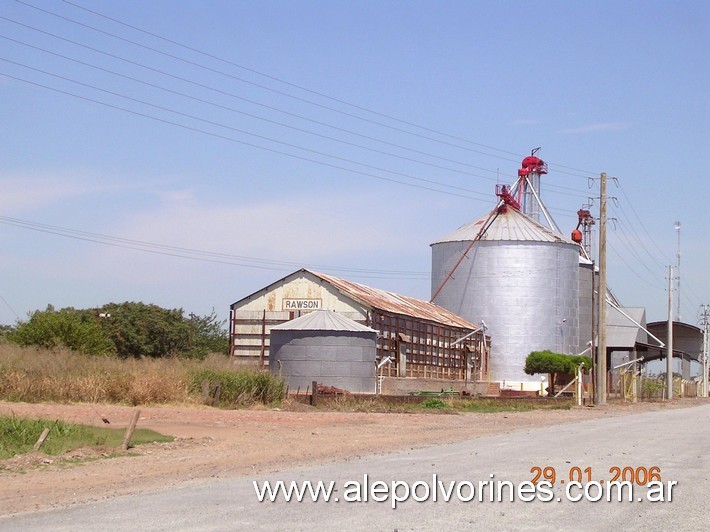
point(677, 272)
point(600, 396)
point(705, 317)
point(669, 342)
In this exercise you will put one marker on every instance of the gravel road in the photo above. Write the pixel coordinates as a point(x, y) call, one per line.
point(677, 441)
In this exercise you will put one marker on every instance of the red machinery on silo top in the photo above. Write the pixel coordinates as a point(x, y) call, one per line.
point(529, 174)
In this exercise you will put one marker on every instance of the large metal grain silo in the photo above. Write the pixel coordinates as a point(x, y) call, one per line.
point(519, 278)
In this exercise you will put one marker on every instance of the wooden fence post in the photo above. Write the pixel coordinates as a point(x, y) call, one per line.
point(314, 393)
point(41, 439)
point(129, 431)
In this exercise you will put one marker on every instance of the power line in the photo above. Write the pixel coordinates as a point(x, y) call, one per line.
point(632, 269)
point(264, 87)
point(272, 150)
point(238, 130)
point(280, 80)
point(10, 307)
point(241, 130)
point(579, 193)
point(259, 85)
point(197, 254)
point(641, 223)
point(575, 192)
point(295, 128)
point(632, 247)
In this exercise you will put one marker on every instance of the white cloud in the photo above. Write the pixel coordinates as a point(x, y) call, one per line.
point(525, 122)
point(299, 230)
point(18, 194)
point(593, 128)
point(31, 192)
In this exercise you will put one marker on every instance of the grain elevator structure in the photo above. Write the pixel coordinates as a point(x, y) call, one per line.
point(514, 276)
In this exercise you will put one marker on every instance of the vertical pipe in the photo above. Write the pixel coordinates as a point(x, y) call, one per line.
point(232, 331)
point(263, 339)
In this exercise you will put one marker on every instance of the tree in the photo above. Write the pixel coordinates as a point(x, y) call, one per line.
point(68, 327)
point(5, 330)
point(554, 364)
point(138, 329)
point(208, 335)
point(126, 329)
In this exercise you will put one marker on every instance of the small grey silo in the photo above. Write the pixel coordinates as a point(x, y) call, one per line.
point(326, 347)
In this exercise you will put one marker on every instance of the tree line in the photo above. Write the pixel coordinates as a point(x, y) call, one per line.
point(129, 329)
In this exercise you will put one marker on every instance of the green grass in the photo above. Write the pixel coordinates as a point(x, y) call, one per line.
point(18, 436)
point(506, 405)
point(438, 405)
point(435, 404)
point(488, 406)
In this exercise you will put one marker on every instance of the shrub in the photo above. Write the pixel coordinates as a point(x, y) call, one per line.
point(434, 404)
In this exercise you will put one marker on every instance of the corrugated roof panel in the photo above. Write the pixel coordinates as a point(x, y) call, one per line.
point(511, 225)
point(323, 320)
point(397, 304)
point(621, 332)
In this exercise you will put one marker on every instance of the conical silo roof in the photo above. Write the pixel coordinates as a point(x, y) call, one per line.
point(510, 225)
point(323, 320)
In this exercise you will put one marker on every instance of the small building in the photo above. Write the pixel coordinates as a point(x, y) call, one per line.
point(415, 338)
point(325, 347)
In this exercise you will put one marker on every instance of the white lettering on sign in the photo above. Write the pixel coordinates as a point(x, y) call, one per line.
point(301, 304)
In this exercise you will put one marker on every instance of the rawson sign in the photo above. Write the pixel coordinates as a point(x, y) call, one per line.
point(301, 304)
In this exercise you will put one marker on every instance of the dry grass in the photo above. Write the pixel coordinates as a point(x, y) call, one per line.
point(32, 375)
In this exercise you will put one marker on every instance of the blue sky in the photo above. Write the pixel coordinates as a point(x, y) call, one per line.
point(341, 136)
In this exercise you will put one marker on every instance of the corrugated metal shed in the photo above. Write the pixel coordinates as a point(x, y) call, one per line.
point(397, 304)
point(510, 225)
point(622, 333)
point(323, 320)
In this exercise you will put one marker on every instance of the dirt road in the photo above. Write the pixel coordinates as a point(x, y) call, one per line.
point(223, 443)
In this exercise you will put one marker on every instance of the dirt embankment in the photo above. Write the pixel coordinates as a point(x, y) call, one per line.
point(220, 443)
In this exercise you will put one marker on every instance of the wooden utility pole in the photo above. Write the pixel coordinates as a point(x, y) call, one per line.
point(669, 342)
point(600, 388)
point(705, 316)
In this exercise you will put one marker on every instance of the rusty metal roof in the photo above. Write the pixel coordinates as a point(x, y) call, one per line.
point(395, 303)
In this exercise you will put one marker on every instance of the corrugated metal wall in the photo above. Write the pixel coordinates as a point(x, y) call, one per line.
point(526, 292)
point(344, 359)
